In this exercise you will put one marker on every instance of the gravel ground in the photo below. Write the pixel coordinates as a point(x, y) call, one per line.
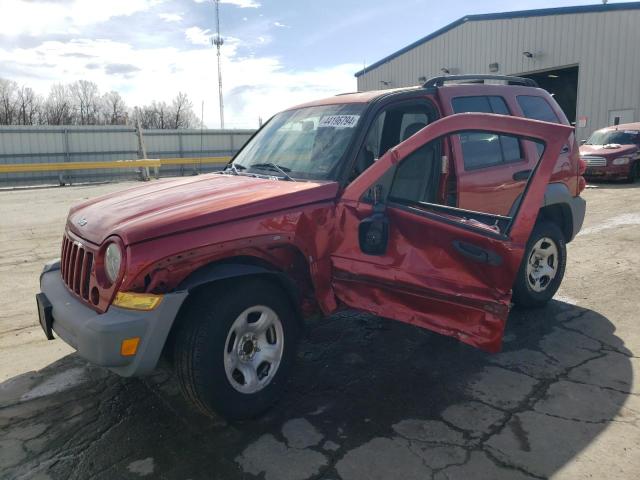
point(369, 398)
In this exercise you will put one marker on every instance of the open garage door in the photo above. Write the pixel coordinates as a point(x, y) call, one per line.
point(562, 83)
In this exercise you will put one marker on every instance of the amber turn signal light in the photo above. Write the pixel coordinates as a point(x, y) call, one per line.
point(137, 301)
point(129, 346)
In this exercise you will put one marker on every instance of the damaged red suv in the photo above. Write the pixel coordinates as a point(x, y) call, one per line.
point(613, 153)
point(392, 202)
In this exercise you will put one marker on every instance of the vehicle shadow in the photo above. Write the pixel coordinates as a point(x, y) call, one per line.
point(364, 387)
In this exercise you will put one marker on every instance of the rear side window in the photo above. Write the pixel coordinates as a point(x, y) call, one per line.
point(484, 104)
point(482, 150)
point(537, 108)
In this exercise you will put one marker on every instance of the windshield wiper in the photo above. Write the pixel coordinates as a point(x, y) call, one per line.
point(276, 167)
point(234, 169)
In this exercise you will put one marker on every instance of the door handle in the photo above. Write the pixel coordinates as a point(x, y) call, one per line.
point(521, 175)
point(476, 253)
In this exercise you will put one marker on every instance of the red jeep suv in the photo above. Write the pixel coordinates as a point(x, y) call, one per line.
point(436, 206)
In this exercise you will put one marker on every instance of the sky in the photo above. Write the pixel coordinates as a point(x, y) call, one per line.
point(277, 53)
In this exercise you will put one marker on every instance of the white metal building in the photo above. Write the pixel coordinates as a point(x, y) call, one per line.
point(587, 56)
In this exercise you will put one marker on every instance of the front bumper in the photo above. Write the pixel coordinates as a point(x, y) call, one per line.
point(97, 336)
point(610, 172)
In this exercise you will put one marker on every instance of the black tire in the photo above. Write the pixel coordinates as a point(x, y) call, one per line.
point(634, 174)
point(524, 294)
point(199, 349)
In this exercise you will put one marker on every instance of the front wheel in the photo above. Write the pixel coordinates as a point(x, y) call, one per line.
point(542, 267)
point(634, 172)
point(234, 349)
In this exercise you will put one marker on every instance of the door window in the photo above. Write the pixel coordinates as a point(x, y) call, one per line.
point(482, 150)
point(415, 182)
point(480, 104)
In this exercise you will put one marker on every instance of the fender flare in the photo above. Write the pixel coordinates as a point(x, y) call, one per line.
point(559, 194)
point(214, 272)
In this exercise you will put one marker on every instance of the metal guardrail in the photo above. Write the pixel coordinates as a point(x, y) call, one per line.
point(145, 163)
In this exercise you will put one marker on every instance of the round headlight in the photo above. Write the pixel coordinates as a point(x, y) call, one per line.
point(621, 161)
point(112, 260)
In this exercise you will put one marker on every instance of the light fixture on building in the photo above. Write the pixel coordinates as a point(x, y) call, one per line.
point(494, 67)
point(445, 70)
point(386, 83)
point(528, 54)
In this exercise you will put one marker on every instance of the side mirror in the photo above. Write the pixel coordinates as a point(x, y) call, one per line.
point(582, 142)
point(373, 231)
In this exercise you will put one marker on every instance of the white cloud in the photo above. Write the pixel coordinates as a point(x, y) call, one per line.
point(253, 86)
point(171, 17)
point(280, 25)
point(54, 17)
point(198, 36)
point(237, 3)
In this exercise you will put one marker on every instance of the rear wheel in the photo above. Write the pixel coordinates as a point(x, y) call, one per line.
point(234, 350)
point(542, 267)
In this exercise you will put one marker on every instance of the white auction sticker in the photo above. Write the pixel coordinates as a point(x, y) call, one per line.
point(631, 132)
point(339, 121)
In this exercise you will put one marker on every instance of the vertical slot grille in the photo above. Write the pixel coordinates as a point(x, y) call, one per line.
point(75, 267)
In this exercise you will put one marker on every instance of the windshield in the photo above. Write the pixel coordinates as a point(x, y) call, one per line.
point(304, 143)
point(620, 137)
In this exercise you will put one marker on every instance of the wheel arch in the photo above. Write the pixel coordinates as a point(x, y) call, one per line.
point(557, 209)
point(234, 270)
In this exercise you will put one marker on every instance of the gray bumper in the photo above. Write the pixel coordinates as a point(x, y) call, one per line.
point(578, 210)
point(97, 337)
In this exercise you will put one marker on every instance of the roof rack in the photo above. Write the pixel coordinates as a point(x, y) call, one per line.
point(439, 81)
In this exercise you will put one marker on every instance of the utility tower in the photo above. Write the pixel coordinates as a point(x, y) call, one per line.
point(218, 42)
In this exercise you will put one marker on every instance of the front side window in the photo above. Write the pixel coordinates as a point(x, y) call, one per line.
point(392, 126)
point(307, 143)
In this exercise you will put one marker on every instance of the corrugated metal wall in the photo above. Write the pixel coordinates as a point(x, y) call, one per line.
point(45, 144)
point(605, 46)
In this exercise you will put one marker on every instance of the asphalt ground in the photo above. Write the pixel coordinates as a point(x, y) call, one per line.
point(368, 399)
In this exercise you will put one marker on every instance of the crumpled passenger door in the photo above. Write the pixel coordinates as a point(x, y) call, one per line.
point(400, 255)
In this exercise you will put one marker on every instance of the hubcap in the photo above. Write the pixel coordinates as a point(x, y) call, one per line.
point(542, 265)
point(253, 350)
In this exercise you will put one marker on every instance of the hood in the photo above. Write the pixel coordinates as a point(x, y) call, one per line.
point(170, 206)
point(607, 151)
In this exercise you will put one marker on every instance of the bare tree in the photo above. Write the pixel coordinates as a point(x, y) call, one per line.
point(29, 106)
point(157, 115)
point(182, 115)
point(8, 101)
point(81, 103)
point(86, 102)
point(58, 106)
point(115, 110)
